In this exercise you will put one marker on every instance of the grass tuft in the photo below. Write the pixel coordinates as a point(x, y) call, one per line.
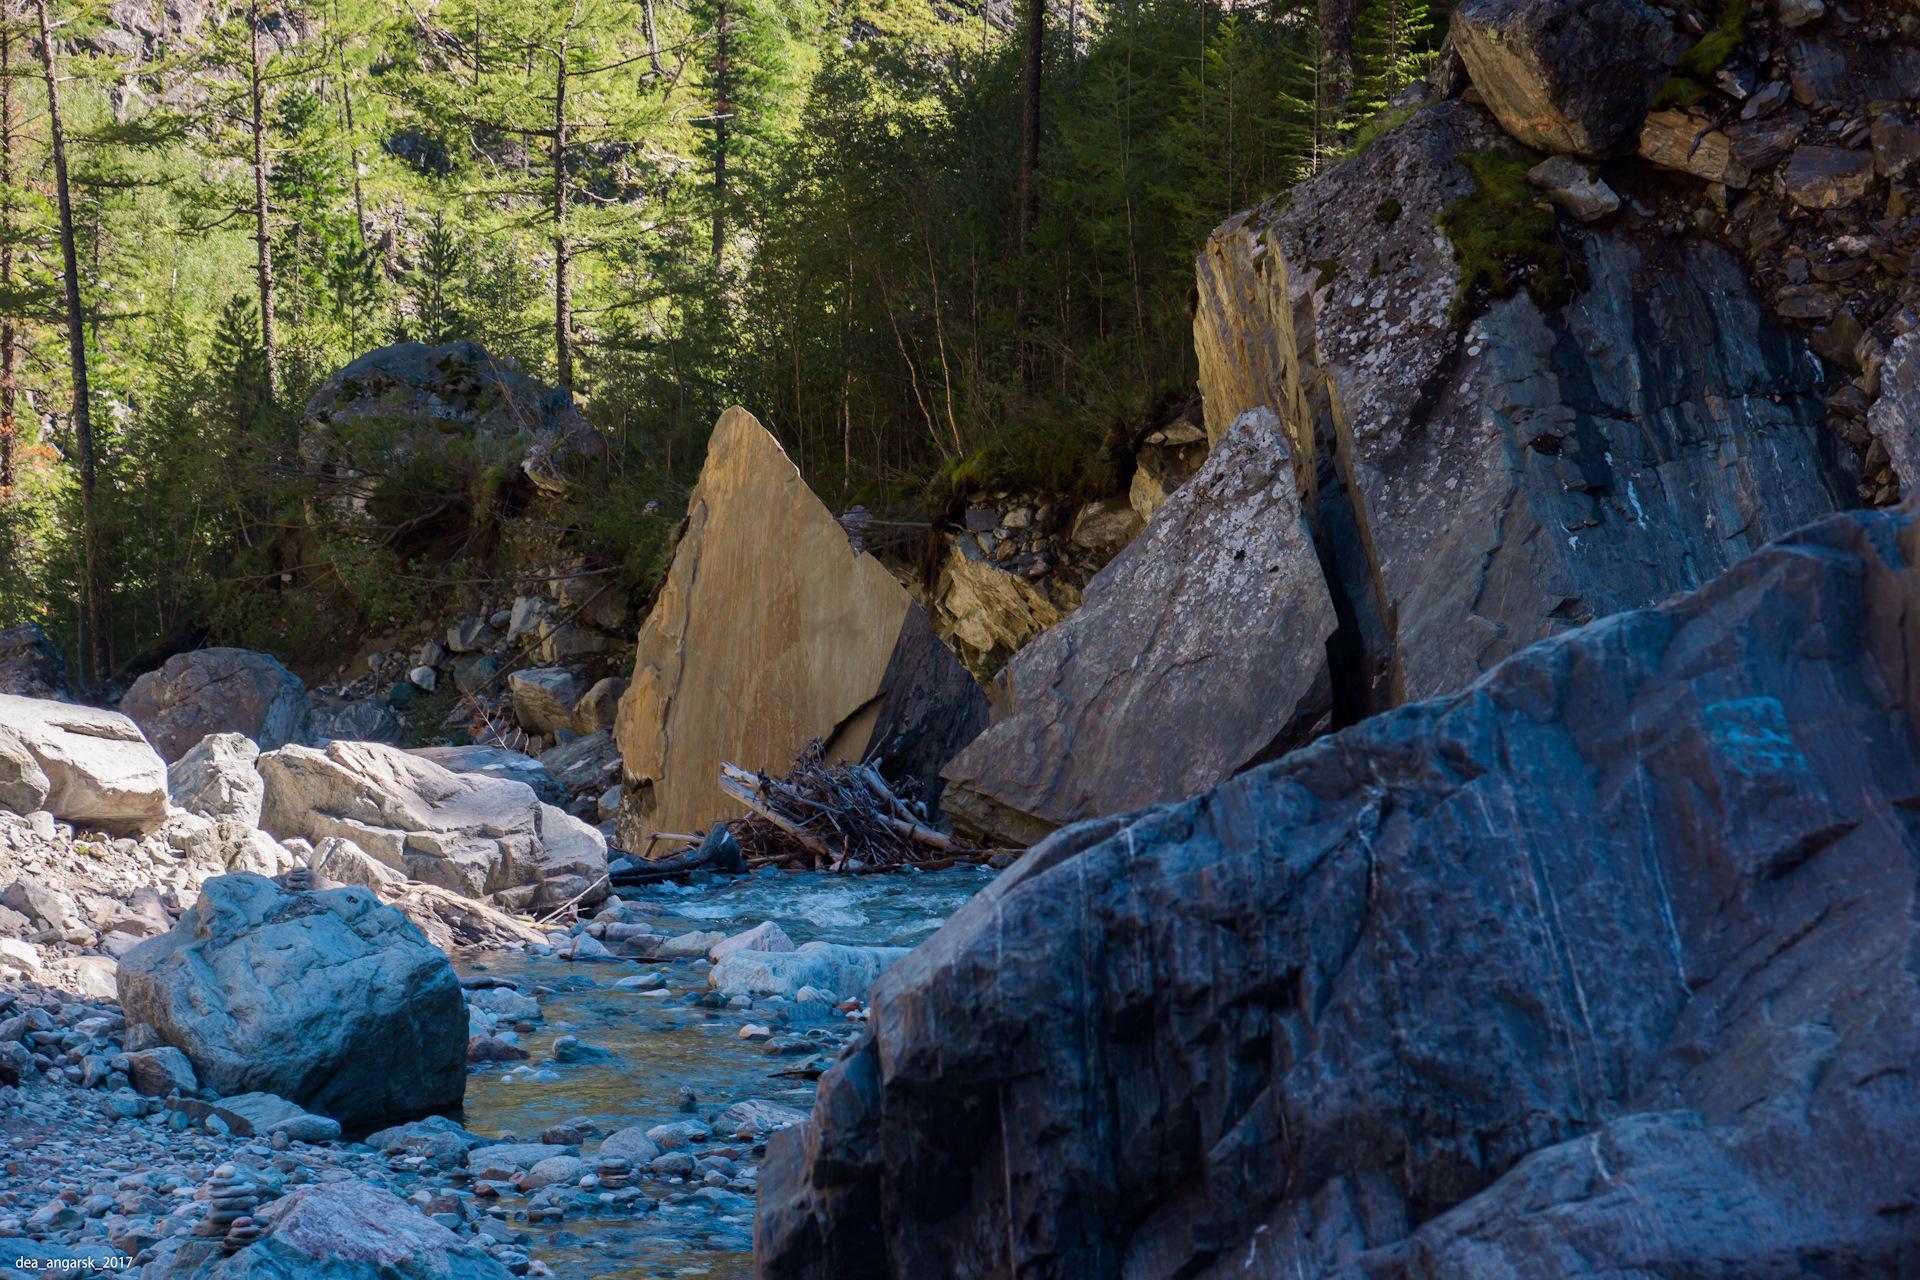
point(1502, 236)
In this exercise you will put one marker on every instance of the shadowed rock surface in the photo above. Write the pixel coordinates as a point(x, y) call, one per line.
point(1606, 966)
point(1209, 627)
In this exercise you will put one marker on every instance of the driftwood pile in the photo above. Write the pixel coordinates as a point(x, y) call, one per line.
point(837, 817)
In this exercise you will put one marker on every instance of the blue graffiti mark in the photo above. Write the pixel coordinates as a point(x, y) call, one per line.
point(1753, 732)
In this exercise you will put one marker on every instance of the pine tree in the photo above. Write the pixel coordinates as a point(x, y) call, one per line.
point(739, 74)
point(1393, 42)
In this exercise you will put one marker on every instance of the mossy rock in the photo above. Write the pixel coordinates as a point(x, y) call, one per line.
point(1504, 233)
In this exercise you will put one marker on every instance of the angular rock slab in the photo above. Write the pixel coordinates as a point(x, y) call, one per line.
point(95, 768)
point(466, 832)
point(1605, 966)
point(1188, 655)
point(330, 1000)
point(1574, 78)
point(770, 631)
point(218, 691)
point(217, 780)
point(1529, 471)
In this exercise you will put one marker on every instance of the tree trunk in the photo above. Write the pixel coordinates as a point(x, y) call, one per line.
point(1029, 178)
point(269, 338)
point(652, 33)
point(1336, 57)
point(722, 111)
point(562, 250)
point(9, 427)
point(96, 605)
point(353, 153)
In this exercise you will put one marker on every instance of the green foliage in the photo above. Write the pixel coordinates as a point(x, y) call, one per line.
point(1714, 48)
point(1503, 234)
point(1679, 91)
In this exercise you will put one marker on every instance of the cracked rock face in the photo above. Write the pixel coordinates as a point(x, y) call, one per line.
point(1529, 471)
point(1208, 627)
point(1605, 966)
point(330, 1000)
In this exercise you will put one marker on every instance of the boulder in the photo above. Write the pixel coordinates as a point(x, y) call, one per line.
point(543, 698)
point(36, 901)
point(1827, 177)
point(408, 399)
point(1490, 483)
point(1230, 548)
point(586, 766)
point(629, 1144)
point(765, 936)
point(216, 779)
point(506, 1003)
point(1687, 142)
point(346, 1230)
point(355, 720)
point(161, 1071)
point(1571, 77)
point(1604, 966)
point(599, 705)
point(218, 691)
point(471, 834)
point(329, 1000)
point(95, 769)
point(518, 1155)
point(985, 612)
point(1574, 187)
point(345, 862)
point(784, 634)
point(496, 762)
point(261, 1115)
point(471, 635)
point(30, 665)
point(830, 966)
point(688, 946)
point(23, 783)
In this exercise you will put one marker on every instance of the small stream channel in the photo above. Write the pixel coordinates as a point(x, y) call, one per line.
point(664, 1043)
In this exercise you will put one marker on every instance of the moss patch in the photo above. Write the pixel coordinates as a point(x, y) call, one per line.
point(1717, 45)
point(1502, 236)
point(1679, 92)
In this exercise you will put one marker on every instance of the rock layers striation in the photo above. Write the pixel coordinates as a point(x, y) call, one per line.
point(1605, 965)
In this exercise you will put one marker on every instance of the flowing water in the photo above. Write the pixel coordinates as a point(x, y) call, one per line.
point(662, 1044)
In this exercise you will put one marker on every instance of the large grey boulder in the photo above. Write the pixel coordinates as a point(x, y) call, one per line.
point(330, 1000)
point(345, 862)
point(1491, 483)
point(90, 767)
point(217, 779)
point(218, 691)
point(1207, 631)
point(30, 665)
point(1572, 76)
point(1606, 966)
point(1894, 419)
point(468, 833)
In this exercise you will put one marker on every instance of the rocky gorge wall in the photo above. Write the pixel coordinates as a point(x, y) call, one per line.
point(1604, 966)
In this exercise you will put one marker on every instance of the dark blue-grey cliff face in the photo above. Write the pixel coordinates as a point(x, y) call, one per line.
point(1606, 966)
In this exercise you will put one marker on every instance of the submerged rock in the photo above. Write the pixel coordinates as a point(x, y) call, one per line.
point(830, 966)
point(329, 1000)
point(1606, 965)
